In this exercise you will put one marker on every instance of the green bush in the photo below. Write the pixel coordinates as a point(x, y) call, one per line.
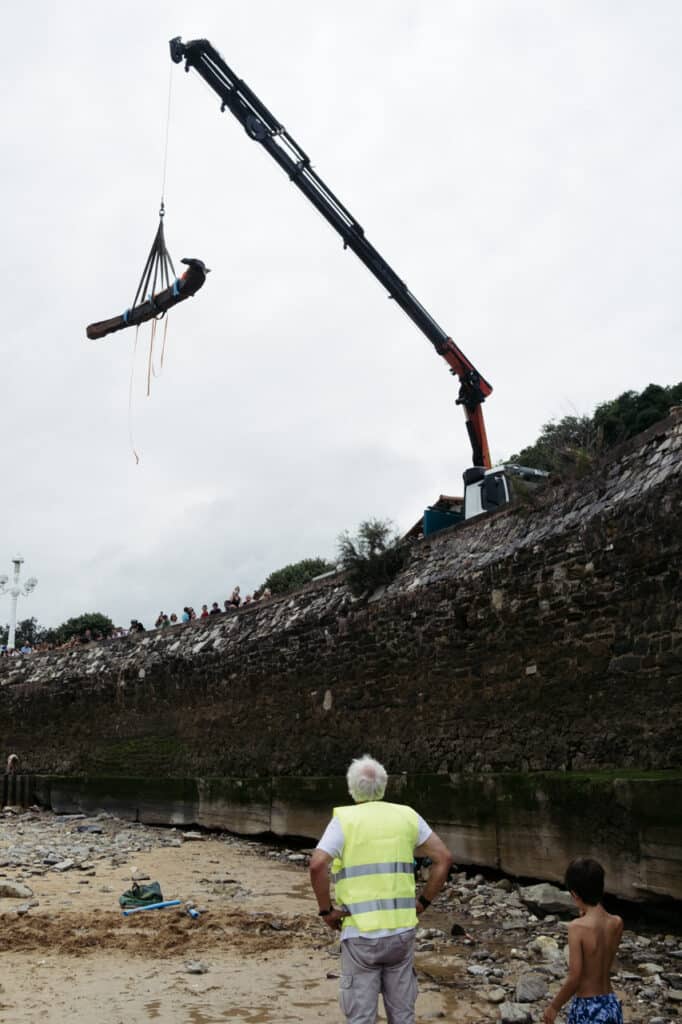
point(373, 557)
point(293, 576)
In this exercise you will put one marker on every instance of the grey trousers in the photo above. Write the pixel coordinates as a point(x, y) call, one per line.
point(373, 966)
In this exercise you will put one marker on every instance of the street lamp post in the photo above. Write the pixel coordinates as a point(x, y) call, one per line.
point(15, 590)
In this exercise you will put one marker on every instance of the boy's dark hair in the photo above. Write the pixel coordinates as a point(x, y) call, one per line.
point(585, 877)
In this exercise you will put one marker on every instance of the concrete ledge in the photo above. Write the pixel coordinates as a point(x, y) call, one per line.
point(526, 825)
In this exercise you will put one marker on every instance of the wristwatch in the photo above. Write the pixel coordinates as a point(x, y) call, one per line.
point(325, 913)
point(424, 902)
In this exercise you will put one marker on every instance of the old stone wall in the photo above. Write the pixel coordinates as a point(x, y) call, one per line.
point(546, 637)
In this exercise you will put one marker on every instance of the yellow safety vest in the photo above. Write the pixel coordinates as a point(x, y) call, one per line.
point(374, 878)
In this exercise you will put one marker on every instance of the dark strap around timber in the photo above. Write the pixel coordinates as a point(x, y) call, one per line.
point(184, 287)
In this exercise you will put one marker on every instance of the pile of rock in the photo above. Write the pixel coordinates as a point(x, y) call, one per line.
point(522, 977)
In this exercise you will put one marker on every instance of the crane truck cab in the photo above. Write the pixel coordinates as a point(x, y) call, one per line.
point(486, 490)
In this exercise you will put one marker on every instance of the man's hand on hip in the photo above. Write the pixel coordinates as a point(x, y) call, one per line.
point(334, 920)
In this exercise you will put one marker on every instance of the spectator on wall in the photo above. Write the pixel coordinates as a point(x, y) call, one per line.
point(236, 598)
point(215, 609)
point(204, 611)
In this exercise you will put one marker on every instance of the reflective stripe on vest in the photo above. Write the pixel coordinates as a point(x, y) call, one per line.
point(375, 876)
point(400, 903)
point(404, 867)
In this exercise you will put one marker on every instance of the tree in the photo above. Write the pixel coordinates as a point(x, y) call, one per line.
point(293, 576)
point(372, 557)
point(631, 413)
point(94, 621)
point(29, 631)
point(573, 442)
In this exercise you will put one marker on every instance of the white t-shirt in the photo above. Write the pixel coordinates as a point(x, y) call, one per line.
point(332, 842)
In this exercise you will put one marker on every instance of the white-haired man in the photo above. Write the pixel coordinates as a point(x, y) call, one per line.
point(372, 845)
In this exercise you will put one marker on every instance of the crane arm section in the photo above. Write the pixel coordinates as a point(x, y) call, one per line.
point(261, 126)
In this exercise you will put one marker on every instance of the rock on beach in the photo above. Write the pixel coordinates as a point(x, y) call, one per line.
point(14, 890)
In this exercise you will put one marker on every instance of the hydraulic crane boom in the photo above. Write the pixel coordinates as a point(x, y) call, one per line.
point(264, 128)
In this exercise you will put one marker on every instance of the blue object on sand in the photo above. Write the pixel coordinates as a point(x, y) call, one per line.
point(152, 906)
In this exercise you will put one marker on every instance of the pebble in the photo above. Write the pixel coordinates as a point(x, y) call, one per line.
point(196, 967)
point(429, 933)
point(547, 898)
point(193, 836)
point(530, 988)
point(24, 908)
point(14, 890)
point(545, 947)
point(514, 1013)
point(495, 994)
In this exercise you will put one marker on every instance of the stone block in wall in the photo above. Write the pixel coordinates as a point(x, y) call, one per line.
point(154, 801)
point(303, 806)
point(240, 805)
point(632, 825)
point(460, 808)
point(656, 805)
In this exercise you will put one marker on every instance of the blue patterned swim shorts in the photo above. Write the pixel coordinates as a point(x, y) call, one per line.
point(595, 1010)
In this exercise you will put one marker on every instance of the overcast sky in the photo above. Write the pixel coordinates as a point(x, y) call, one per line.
point(518, 165)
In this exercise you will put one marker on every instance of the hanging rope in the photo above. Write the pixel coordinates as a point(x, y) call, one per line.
point(151, 358)
point(159, 266)
point(157, 373)
point(130, 400)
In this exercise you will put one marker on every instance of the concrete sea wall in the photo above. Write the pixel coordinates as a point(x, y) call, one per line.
point(544, 639)
point(523, 824)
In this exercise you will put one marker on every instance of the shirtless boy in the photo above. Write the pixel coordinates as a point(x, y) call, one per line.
point(592, 943)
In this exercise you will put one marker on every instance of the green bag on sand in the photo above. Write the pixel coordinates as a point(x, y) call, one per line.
point(141, 895)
